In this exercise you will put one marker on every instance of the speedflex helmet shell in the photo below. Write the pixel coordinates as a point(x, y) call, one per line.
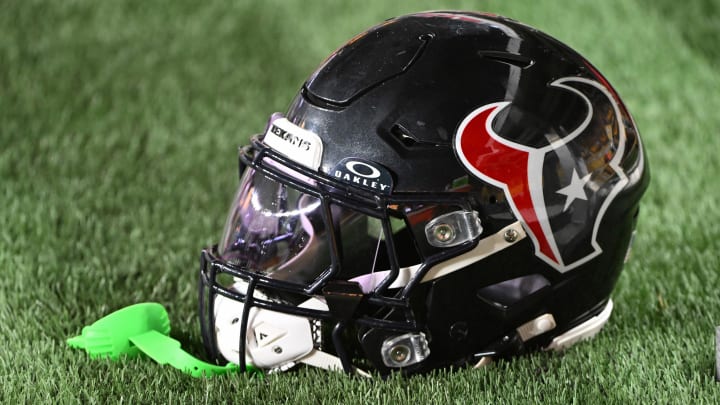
point(445, 189)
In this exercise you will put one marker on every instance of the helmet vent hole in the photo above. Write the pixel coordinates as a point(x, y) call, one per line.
point(426, 37)
point(403, 136)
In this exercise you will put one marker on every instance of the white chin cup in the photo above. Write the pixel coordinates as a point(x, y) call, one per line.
point(273, 338)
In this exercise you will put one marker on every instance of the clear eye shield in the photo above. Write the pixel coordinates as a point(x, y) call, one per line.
point(282, 233)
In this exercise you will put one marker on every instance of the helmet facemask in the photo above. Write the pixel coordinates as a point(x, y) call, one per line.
point(292, 237)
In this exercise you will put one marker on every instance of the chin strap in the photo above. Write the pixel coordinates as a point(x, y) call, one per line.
point(540, 325)
point(327, 361)
point(585, 330)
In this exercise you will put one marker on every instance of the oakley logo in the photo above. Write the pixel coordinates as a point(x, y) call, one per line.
point(364, 174)
point(365, 170)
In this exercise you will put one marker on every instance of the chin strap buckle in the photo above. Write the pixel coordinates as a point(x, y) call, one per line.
point(536, 327)
point(514, 343)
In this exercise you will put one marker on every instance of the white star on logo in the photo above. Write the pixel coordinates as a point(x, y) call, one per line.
point(575, 190)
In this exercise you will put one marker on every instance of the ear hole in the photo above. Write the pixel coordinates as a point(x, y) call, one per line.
point(509, 292)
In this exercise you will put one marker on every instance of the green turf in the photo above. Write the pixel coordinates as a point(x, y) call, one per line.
point(119, 123)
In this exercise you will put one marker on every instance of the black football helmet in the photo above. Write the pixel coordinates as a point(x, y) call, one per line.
point(446, 188)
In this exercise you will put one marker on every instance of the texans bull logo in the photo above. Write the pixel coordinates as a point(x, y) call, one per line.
point(554, 190)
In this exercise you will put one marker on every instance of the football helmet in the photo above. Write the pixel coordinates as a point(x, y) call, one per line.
point(445, 189)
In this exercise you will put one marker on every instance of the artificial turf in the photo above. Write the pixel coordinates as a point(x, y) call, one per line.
point(119, 127)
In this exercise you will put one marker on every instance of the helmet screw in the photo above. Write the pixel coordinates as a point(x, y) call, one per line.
point(511, 235)
point(444, 233)
point(459, 330)
point(400, 353)
point(277, 349)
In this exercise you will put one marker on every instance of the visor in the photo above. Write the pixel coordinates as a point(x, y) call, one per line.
point(280, 232)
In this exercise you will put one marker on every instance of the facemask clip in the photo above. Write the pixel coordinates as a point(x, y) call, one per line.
point(405, 350)
point(453, 228)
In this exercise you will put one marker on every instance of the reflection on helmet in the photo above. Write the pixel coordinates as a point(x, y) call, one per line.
point(446, 189)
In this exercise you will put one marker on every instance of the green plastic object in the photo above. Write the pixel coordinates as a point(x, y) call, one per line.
point(166, 350)
point(144, 328)
point(110, 336)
